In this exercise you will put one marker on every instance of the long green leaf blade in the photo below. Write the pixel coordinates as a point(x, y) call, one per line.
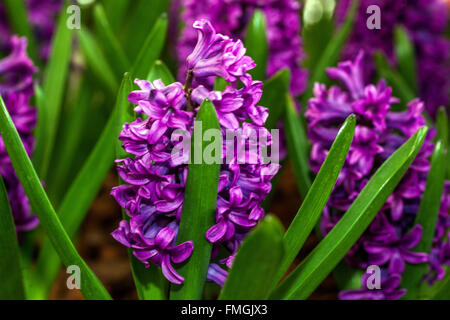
point(199, 207)
point(96, 60)
point(12, 286)
point(443, 131)
point(332, 51)
point(274, 88)
point(84, 189)
point(116, 10)
point(141, 20)
point(18, 19)
point(71, 136)
point(427, 216)
point(256, 44)
point(160, 71)
point(444, 289)
point(406, 58)
point(312, 207)
point(442, 126)
point(151, 49)
point(110, 44)
point(91, 287)
point(298, 146)
point(55, 79)
point(317, 29)
point(256, 263)
point(400, 87)
point(321, 261)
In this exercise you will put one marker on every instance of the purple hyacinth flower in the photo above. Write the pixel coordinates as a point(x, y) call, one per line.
point(426, 23)
point(389, 290)
point(160, 250)
point(217, 55)
point(391, 238)
point(217, 274)
point(17, 69)
point(155, 176)
point(16, 88)
point(396, 251)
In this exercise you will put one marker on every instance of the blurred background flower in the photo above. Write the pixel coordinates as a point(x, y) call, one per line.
point(389, 240)
point(426, 23)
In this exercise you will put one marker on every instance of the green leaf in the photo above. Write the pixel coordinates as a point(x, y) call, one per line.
point(399, 86)
point(298, 147)
point(317, 29)
point(79, 110)
point(442, 126)
point(220, 84)
point(84, 188)
point(151, 49)
point(160, 71)
point(332, 51)
point(140, 22)
point(199, 207)
point(116, 11)
point(322, 260)
point(312, 207)
point(347, 278)
point(256, 44)
point(427, 217)
point(406, 58)
point(18, 20)
point(443, 292)
point(91, 287)
point(55, 79)
point(256, 263)
point(111, 46)
point(150, 282)
point(443, 131)
point(12, 286)
point(96, 60)
point(274, 88)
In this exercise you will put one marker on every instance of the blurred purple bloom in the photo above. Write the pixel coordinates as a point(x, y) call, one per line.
point(396, 250)
point(426, 22)
point(391, 238)
point(155, 180)
point(17, 69)
point(389, 290)
point(42, 16)
point(16, 88)
point(230, 17)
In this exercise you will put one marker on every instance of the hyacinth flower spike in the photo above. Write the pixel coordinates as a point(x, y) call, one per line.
point(390, 240)
point(154, 188)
